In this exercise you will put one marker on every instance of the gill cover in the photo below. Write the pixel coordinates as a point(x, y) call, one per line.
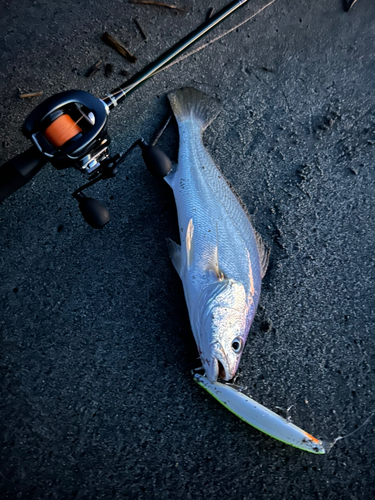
point(221, 326)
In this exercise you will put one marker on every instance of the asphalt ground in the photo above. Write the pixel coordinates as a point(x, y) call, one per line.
point(97, 398)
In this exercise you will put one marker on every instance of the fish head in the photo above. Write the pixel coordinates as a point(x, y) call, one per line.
point(223, 329)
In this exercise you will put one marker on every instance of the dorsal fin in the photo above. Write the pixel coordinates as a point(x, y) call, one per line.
point(264, 254)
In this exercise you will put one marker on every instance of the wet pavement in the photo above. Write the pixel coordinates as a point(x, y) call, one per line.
point(97, 398)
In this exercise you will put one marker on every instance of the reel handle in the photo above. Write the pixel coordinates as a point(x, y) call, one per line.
point(17, 171)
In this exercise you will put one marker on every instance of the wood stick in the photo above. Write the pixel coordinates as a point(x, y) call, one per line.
point(112, 42)
point(32, 94)
point(143, 34)
point(160, 132)
point(209, 13)
point(93, 69)
point(158, 4)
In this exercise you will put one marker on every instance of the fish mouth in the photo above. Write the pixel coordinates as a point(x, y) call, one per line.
point(215, 370)
point(221, 369)
point(216, 364)
point(221, 361)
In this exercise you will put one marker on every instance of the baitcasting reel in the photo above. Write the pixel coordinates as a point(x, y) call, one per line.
point(70, 130)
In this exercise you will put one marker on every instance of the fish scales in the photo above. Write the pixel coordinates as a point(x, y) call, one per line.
point(221, 260)
point(201, 185)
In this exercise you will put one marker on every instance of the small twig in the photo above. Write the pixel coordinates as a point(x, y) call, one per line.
point(32, 94)
point(112, 42)
point(209, 13)
point(160, 132)
point(143, 34)
point(93, 69)
point(92, 72)
point(349, 4)
point(158, 4)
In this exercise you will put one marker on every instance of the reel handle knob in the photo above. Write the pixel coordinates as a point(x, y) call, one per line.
point(17, 171)
point(94, 213)
point(157, 162)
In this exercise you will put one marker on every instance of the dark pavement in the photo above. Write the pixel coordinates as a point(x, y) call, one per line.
point(97, 399)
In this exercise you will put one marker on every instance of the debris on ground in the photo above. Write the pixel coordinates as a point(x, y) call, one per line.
point(108, 70)
point(112, 42)
point(158, 4)
point(210, 13)
point(143, 34)
point(32, 94)
point(160, 132)
point(93, 69)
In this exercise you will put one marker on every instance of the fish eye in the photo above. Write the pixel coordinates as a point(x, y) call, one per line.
point(236, 345)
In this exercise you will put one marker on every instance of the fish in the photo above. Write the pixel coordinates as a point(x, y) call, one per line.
point(221, 259)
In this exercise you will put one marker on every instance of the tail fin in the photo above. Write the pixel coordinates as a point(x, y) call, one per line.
point(189, 103)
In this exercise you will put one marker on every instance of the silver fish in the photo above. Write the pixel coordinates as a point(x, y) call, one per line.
point(221, 260)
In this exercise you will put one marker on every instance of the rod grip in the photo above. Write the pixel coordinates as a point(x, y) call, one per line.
point(16, 172)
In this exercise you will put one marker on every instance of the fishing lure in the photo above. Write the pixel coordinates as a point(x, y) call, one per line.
point(262, 418)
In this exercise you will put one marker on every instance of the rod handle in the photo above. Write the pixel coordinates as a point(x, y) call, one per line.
point(17, 171)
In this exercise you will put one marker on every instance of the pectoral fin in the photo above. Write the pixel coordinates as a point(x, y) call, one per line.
point(189, 243)
point(214, 261)
point(169, 179)
point(175, 254)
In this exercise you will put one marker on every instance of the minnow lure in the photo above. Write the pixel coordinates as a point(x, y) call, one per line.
point(262, 418)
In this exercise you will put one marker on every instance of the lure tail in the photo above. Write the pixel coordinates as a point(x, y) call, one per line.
point(191, 104)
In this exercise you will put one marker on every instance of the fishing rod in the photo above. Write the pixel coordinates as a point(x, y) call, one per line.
point(69, 129)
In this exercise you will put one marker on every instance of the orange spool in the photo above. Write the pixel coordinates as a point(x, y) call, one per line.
point(61, 130)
